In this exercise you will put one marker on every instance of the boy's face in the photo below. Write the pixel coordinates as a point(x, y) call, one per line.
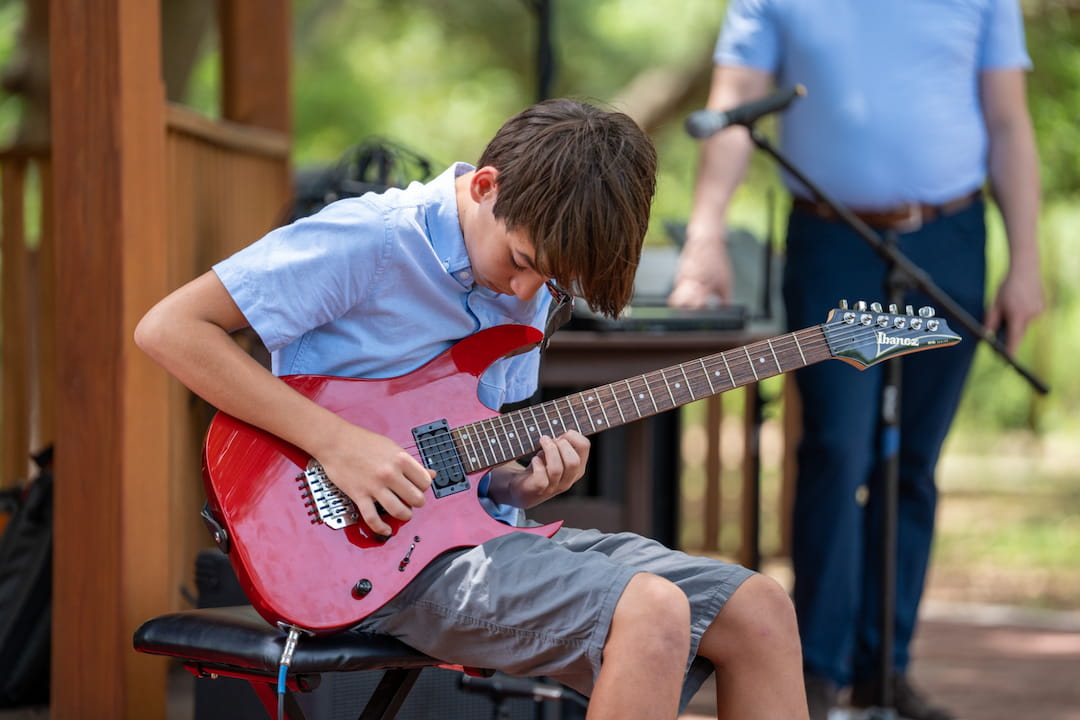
point(502, 260)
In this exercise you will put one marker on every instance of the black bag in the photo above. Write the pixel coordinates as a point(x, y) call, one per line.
point(26, 592)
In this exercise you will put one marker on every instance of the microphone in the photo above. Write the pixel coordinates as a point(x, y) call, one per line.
point(704, 123)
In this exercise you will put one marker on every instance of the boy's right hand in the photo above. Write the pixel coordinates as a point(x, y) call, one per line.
point(371, 468)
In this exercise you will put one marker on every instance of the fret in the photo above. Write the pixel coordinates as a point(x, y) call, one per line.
point(633, 399)
point(586, 403)
point(798, 345)
point(466, 439)
point(507, 436)
point(705, 371)
point(667, 386)
point(595, 398)
point(547, 419)
point(573, 416)
point(520, 432)
point(723, 356)
point(775, 359)
point(583, 412)
point(750, 360)
point(675, 386)
point(481, 449)
point(504, 436)
point(495, 440)
point(534, 426)
point(652, 398)
point(618, 405)
point(689, 387)
point(484, 448)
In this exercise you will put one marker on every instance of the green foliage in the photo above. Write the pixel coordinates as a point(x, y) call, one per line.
point(1053, 36)
point(11, 15)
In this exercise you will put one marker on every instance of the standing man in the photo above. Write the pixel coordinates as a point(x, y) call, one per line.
point(912, 105)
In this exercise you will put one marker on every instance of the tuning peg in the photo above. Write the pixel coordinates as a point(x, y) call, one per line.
point(860, 305)
point(893, 309)
point(926, 311)
point(875, 307)
point(909, 310)
point(843, 305)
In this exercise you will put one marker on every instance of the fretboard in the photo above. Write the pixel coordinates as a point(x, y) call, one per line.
point(516, 434)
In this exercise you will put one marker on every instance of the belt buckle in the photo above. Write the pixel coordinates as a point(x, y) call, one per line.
point(912, 220)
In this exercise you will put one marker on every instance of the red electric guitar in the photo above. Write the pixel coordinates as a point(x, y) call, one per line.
point(305, 557)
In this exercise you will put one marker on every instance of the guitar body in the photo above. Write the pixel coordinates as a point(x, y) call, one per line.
point(300, 571)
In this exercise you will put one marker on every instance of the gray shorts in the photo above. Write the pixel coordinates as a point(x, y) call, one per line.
point(533, 606)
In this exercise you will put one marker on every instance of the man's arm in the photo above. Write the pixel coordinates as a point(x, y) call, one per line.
point(1014, 180)
point(187, 333)
point(704, 273)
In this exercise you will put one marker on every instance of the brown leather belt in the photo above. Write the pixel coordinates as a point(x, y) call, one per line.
point(907, 218)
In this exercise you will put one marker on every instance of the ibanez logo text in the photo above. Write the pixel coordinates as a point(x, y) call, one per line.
point(884, 339)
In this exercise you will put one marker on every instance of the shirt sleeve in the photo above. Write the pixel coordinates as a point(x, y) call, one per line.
point(1004, 45)
point(750, 36)
point(271, 280)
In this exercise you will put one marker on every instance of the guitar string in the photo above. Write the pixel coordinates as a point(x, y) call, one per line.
point(813, 340)
point(782, 343)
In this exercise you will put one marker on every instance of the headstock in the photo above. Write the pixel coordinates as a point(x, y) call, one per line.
point(866, 334)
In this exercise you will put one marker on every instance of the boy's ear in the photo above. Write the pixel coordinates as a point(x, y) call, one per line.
point(484, 183)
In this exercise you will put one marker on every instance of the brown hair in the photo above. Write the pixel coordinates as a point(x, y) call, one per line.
point(580, 181)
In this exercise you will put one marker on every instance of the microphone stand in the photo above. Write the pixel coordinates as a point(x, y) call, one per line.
point(903, 274)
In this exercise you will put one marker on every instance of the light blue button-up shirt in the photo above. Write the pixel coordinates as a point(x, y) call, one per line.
point(375, 287)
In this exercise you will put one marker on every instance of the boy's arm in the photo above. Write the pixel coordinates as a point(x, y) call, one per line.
point(187, 333)
point(559, 464)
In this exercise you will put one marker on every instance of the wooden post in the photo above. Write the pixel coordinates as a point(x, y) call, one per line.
point(16, 331)
point(714, 468)
point(255, 56)
point(111, 514)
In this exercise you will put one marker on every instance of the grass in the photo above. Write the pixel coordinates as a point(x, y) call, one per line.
point(1008, 523)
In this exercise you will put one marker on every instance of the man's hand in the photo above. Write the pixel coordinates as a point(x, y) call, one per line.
point(704, 277)
point(559, 464)
point(1019, 300)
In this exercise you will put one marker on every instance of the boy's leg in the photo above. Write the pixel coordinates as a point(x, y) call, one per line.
point(754, 645)
point(645, 653)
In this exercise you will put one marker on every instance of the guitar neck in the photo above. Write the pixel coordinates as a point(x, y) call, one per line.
point(516, 434)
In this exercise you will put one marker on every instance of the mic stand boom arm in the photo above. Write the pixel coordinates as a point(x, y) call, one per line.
point(896, 259)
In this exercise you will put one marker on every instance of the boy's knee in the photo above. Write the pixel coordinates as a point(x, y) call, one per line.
point(759, 614)
point(656, 597)
point(652, 606)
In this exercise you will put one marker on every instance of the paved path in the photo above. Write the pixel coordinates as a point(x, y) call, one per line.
point(986, 663)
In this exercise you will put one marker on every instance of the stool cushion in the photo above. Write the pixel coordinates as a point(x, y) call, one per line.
point(238, 637)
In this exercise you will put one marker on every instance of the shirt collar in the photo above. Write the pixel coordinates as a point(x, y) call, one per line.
point(444, 225)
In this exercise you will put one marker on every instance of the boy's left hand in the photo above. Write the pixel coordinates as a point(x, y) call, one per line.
point(559, 464)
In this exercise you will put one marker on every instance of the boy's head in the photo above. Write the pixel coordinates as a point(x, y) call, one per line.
point(579, 182)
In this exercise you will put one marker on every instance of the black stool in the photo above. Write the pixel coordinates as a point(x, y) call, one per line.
point(237, 642)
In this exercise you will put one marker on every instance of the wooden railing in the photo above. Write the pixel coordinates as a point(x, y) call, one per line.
point(27, 279)
point(227, 185)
